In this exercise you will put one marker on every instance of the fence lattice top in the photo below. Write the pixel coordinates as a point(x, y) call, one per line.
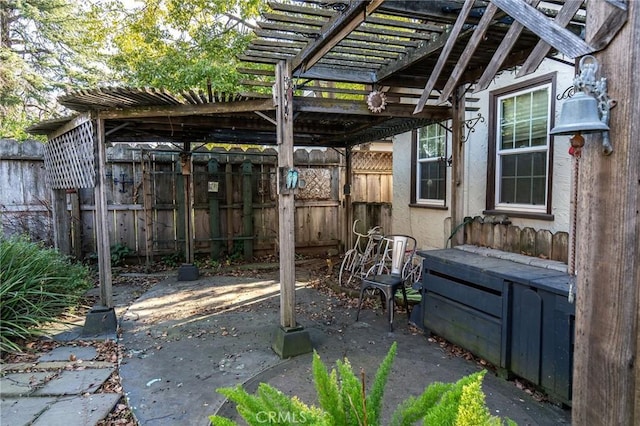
point(69, 159)
point(374, 161)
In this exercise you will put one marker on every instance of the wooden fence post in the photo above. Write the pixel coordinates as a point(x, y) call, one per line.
point(228, 190)
point(62, 228)
point(214, 207)
point(348, 206)
point(147, 203)
point(76, 224)
point(180, 200)
point(247, 208)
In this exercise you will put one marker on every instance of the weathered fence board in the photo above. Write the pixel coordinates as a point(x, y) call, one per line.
point(24, 197)
point(501, 235)
point(373, 214)
point(234, 209)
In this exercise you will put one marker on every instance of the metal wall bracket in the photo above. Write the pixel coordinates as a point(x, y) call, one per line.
point(470, 125)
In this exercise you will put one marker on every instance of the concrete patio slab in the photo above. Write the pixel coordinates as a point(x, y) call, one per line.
point(78, 410)
point(20, 384)
point(23, 411)
point(185, 340)
point(73, 382)
point(70, 353)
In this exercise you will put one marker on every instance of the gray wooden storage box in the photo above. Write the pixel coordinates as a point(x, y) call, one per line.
point(514, 315)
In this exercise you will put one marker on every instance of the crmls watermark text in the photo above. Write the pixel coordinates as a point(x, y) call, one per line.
point(275, 417)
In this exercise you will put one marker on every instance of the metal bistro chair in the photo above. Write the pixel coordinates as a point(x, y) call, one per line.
point(390, 273)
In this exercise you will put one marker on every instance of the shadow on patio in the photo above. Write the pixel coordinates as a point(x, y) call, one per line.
point(183, 340)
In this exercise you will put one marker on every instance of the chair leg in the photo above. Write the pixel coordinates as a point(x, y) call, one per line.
point(406, 303)
point(359, 303)
point(390, 303)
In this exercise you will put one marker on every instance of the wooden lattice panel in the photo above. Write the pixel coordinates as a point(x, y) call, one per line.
point(317, 184)
point(372, 161)
point(69, 159)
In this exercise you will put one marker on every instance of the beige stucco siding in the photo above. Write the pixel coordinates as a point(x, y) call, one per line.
point(432, 227)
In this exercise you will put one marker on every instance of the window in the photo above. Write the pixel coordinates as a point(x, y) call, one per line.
point(430, 177)
point(519, 152)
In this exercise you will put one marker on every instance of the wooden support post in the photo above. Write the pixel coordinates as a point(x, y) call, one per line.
point(102, 228)
point(214, 207)
point(606, 378)
point(101, 320)
point(62, 228)
point(286, 204)
point(457, 165)
point(247, 208)
point(290, 339)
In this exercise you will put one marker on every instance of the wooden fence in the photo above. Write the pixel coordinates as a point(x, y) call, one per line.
point(234, 208)
point(372, 189)
point(498, 233)
point(25, 206)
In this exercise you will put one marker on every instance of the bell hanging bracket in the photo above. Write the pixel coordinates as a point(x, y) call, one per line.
point(588, 110)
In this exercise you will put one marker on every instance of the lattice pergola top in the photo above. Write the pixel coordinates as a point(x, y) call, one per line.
point(415, 53)
point(433, 46)
point(153, 115)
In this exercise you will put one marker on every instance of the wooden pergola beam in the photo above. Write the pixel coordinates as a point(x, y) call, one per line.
point(189, 109)
point(444, 54)
point(541, 50)
point(341, 106)
point(320, 72)
point(334, 31)
point(503, 51)
point(80, 119)
point(416, 55)
point(472, 45)
point(557, 36)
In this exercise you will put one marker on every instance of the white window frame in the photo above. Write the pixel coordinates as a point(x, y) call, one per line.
point(441, 133)
point(541, 208)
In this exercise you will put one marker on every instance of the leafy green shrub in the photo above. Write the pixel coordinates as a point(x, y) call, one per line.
point(36, 285)
point(343, 401)
point(119, 253)
point(173, 260)
point(237, 252)
point(207, 263)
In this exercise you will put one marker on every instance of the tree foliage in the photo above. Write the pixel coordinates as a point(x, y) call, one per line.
point(46, 47)
point(177, 44)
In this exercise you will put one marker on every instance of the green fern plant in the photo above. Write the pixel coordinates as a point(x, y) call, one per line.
point(344, 402)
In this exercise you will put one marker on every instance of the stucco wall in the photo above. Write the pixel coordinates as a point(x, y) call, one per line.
point(432, 227)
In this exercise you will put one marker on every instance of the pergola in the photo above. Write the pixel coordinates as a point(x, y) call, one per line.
point(349, 72)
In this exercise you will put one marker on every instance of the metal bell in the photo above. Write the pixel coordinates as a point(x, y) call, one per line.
point(579, 114)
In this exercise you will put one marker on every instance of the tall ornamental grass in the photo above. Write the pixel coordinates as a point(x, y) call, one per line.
point(36, 285)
